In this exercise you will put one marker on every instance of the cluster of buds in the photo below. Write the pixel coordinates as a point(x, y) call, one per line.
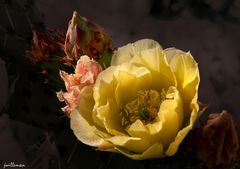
point(52, 50)
point(46, 45)
point(47, 52)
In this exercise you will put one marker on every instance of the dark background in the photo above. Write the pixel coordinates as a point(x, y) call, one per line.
point(32, 128)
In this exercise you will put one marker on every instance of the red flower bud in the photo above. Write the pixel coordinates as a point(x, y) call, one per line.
point(85, 38)
point(216, 143)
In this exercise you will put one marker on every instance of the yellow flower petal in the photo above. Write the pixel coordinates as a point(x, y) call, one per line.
point(125, 53)
point(134, 144)
point(154, 151)
point(171, 116)
point(104, 85)
point(185, 69)
point(172, 52)
point(194, 107)
point(190, 93)
point(137, 77)
point(154, 59)
point(138, 129)
point(110, 116)
point(173, 147)
point(187, 74)
point(81, 120)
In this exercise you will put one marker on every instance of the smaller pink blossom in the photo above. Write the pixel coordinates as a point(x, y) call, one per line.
point(86, 73)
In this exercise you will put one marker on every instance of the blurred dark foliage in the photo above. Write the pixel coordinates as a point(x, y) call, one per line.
point(48, 141)
point(201, 9)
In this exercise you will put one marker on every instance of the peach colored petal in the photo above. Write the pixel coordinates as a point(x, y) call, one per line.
point(86, 73)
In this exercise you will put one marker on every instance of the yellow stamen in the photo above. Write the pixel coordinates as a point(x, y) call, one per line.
point(145, 107)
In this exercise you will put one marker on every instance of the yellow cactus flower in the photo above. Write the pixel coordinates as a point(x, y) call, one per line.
point(143, 105)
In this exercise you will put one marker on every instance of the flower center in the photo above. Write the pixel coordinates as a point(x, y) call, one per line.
point(145, 107)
